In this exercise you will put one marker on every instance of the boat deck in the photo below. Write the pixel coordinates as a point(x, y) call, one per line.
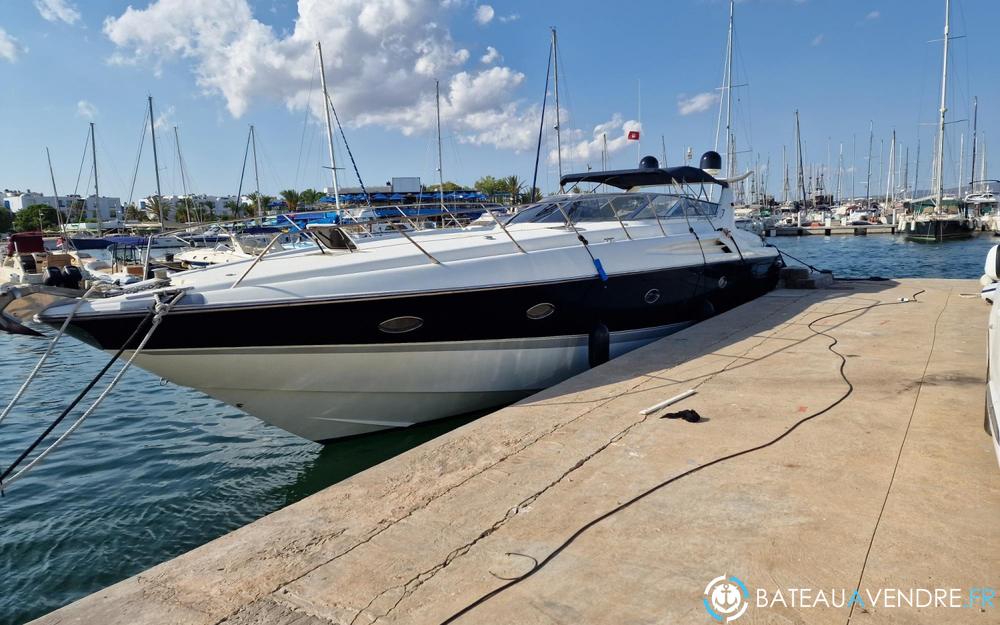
point(893, 485)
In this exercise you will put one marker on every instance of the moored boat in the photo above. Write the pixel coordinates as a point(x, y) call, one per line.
point(388, 332)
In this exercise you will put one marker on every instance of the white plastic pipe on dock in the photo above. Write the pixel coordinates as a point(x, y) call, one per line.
point(667, 402)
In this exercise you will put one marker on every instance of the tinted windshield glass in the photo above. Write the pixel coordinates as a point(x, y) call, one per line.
point(626, 206)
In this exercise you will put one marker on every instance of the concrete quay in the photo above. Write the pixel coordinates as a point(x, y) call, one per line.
point(892, 485)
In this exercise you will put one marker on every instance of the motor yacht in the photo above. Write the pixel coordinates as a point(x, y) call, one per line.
point(353, 336)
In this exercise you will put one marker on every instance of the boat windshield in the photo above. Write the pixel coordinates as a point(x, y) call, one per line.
point(611, 207)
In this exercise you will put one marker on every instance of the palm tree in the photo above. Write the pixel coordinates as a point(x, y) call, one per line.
point(513, 185)
point(292, 199)
point(158, 206)
point(310, 197)
point(234, 208)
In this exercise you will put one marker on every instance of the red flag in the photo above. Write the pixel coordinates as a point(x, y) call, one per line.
point(633, 135)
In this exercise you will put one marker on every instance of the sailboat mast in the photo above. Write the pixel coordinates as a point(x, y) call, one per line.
point(97, 192)
point(256, 175)
point(784, 166)
point(892, 165)
point(55, 194)
point(868, 179)
point(329, 127)
point(916, 170)
point(730, 157)
point(555, 67)
point(801, 180)
point(156, 161)
point(961, 166)
point(437, 102)
point(840, 171)
point(726, 85)
point(905, 178)
point(180, 164)
point(939, 164)
point(975, 141)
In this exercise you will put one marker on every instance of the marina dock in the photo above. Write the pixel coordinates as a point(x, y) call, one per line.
point(885, 479)
point(833, 230)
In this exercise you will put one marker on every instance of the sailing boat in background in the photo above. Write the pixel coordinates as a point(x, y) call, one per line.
point(938, 217)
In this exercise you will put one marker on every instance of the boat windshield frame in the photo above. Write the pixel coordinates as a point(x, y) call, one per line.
point(576, 208)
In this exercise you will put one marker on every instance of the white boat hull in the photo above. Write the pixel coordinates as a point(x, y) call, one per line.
point(327, 392)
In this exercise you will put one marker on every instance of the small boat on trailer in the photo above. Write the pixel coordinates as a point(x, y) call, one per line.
point(389, 332)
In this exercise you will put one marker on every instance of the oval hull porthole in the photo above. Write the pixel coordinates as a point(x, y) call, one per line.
point(652, 296)
point(400, 325)
point(540, 311)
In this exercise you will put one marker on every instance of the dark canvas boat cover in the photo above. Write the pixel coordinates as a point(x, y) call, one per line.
point(628, 178)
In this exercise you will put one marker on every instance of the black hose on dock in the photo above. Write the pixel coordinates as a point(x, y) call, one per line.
point(539, 564)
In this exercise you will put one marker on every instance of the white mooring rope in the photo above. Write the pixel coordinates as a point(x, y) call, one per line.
point(161, 308)
point(41, 361)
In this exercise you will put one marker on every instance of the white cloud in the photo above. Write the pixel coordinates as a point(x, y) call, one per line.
point(817, 40)
point(58, 11)
point(588, 150)
point(697, 103)
point(491, 56)
point(9, 48)
point(381, 58)
point(165, 119)
point(513, 17)
point(484, 14)
point(86, 110)
point(873, 15)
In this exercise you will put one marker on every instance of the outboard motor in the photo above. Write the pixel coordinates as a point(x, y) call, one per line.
point(711, 162)
point(649, 162)
point(53, 277)
point(71, 277)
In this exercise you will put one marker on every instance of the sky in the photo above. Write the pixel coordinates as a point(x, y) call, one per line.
point(214, 67)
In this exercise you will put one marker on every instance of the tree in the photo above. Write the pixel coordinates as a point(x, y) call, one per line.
point(265, 200)
point(132, 213)
point(234, 208)
point(513, 185)
point(34, 217)
point(449, 186)
point(292, 199)
point(489, 186)
point(157, 206)
point(310, 197)
point(535, 195)
point(6, 219)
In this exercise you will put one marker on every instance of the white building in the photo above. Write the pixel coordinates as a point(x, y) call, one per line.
point(76, 208)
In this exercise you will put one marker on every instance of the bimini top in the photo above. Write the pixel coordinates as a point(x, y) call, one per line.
point(645, 177)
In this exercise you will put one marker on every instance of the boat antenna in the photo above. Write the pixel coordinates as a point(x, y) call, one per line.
point(541, 124)
point(256, 175)
point(939, 164)
point(555, 66)
point(97, 193)
point(156, 162)
point(329, 127)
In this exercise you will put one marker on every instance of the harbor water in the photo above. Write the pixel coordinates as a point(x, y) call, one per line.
point(159, 470)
